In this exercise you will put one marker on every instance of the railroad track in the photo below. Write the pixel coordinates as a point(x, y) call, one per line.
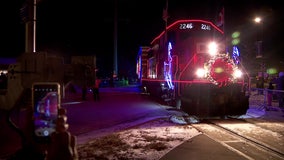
point(251, 139)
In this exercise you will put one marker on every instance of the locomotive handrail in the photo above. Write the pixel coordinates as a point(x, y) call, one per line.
point(247, 74)
point(182, 73)
point(176, 72)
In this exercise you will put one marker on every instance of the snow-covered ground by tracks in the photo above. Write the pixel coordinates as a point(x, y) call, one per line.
point(152, 140)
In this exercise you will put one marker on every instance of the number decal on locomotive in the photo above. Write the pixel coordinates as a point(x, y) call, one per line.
point(186, 26)
point(205, 27)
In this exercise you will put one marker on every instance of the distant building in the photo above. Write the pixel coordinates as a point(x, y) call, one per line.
point(22, 72)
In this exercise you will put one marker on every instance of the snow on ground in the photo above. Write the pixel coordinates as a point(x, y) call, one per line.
point(148, 141)
point(152, 140)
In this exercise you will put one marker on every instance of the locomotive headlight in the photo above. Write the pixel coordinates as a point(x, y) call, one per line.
point(212, 48)
point(200, 73)
point(237, 73)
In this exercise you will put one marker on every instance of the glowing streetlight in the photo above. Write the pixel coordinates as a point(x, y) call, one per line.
point(258, 20)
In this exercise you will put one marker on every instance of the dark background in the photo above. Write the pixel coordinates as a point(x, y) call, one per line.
point(86, 27)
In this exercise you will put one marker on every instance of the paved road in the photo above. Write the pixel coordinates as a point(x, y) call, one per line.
point(117, 106)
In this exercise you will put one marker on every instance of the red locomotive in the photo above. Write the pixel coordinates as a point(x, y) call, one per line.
point(188, 67)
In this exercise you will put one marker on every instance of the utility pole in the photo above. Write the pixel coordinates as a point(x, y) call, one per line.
point(165, 18)
point(30, 26)
point(259, 49)
point(115, 70)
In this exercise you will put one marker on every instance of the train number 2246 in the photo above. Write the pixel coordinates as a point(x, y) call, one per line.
point(191, 26)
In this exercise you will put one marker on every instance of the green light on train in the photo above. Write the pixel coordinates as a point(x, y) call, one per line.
point(271, 71)
point(236, 34)
point(236, 38)
point(235, 41)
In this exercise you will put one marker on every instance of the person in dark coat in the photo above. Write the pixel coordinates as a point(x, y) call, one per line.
point(280, 88)
point(95, 89)
point(270, 94)
point(260, 84)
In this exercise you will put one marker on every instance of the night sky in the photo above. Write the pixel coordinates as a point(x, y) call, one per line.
point(87, 27)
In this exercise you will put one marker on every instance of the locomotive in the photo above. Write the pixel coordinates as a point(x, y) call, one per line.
point(187, 66)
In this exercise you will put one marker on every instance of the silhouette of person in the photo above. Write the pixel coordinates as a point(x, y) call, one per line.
point(270, 94)
point(63, 143)
point(95, 89)
point(280, 87)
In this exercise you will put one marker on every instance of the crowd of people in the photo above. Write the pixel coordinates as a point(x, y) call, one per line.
point(275, 87)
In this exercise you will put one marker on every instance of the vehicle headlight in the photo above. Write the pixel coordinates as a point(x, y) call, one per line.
point(200, 73)
point(237, 73)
